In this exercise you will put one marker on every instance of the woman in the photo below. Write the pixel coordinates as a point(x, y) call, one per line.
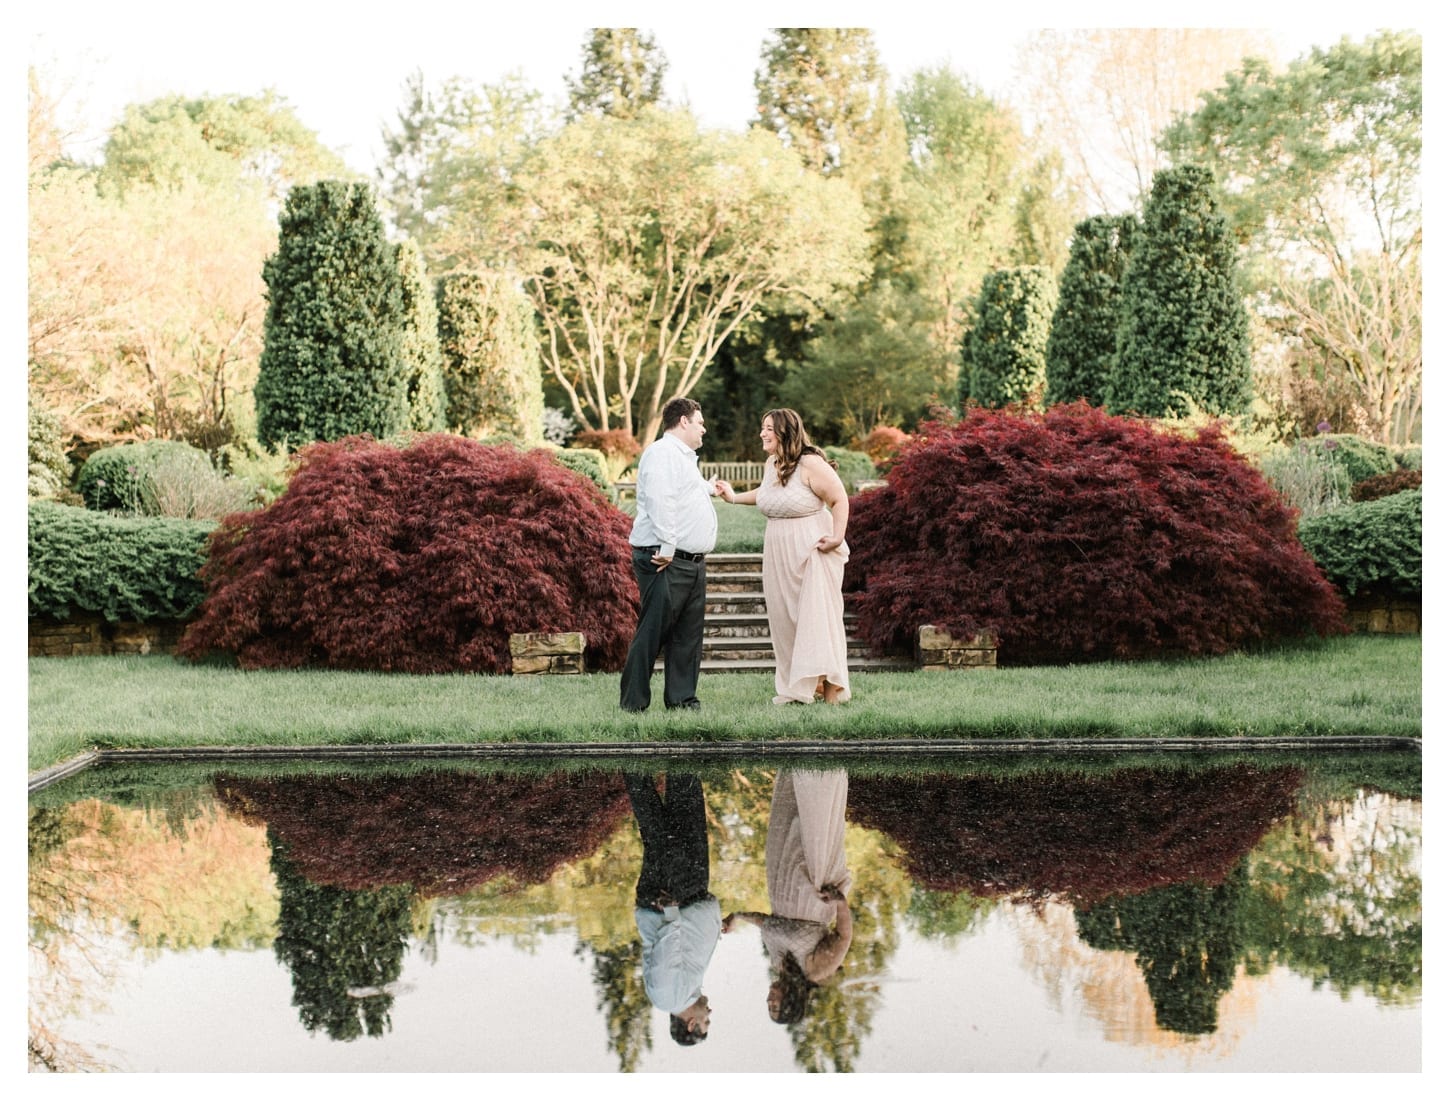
point(806, 513)
point(809, 927)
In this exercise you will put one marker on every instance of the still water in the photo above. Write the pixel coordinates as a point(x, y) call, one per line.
point(1204, 914)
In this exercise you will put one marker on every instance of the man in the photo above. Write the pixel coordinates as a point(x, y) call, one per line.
point(677, 916)
point(674, 528)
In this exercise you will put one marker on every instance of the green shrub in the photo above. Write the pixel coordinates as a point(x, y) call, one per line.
point(118, 567)
point(1370, 546)
point(853, 466)
point(50, 471)
point(112, 477)
point(1408, 457)
point(1360, 458)
point(1307, 478)
point(162, 478)
point(589, 462)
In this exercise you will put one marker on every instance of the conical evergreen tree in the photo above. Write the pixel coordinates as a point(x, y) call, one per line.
point(1082, 344)
point(332, 361)
point(491, 367)
point(1004, 353)
point(1183, 333)
point(423, 359)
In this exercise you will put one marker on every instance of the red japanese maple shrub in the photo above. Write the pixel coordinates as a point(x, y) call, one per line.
point(419, 559)
point(882, 444)
point(1073, 535)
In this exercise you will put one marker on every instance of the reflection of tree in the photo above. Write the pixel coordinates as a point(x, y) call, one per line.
point(441, 832)
point(1081, 837)
point(946, 916)
point(63, 966)
point(106, 879)
point(619, 982)
point(342, 947)
point(1188, 940)
point(1337, 897)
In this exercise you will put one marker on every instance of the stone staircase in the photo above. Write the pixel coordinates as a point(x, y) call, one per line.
point(737, 633)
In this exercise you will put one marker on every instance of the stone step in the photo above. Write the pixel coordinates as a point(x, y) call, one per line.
point(742, 582)
point(732, 563)
point(734, 604)
point(767, 665)
point(755, 648)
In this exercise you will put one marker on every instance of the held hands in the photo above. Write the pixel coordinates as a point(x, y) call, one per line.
point(725, 490)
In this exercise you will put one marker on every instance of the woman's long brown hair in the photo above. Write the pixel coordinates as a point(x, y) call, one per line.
point(791, 442)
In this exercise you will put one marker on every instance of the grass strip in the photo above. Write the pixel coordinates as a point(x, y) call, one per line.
point(1356, 686)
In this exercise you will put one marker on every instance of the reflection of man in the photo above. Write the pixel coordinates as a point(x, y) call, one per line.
point(678, 917)
point(674, 528)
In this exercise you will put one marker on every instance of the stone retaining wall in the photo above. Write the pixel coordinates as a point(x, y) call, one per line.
point(1383, 616)
point(92, 636)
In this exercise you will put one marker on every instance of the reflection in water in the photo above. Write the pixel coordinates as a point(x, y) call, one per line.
point(1164, 905)
point(809, 928)
point(1085, 837)
point(677, 916)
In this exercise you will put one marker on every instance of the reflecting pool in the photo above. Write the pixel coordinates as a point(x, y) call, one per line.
point(1253, 913)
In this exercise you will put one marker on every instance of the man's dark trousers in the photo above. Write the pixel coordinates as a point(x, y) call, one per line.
point(672, 619)
point(676, 866)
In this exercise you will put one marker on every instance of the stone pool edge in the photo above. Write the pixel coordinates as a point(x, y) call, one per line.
point(811, 747)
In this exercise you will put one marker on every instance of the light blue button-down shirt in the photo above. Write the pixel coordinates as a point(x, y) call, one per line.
point(678, 943)
point(672, 501)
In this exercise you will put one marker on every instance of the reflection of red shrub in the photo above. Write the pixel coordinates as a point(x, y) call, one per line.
point(442, 832)
point(1083, 838)
point(1074, 535)
point(420, 559)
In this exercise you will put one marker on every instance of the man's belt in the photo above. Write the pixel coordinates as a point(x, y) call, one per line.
point(688, 556)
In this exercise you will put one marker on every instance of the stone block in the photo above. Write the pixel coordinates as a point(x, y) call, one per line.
point(543, 652)
point(936, 649)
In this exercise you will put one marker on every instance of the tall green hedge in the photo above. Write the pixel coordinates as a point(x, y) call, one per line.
point(1183, 331)
point(333, 359)
point(1004, 356)
point(1370, 546)
point(492, 371)
point(422, 357)
point(117, 567)
point(1082, 344)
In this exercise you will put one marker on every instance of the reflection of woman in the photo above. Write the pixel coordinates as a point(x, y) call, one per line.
point(808, 930)
point(805, 558)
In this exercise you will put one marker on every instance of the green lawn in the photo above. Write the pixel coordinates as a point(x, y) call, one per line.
point(1361, 686)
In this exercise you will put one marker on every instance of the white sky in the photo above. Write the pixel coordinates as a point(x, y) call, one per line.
point(342, 66)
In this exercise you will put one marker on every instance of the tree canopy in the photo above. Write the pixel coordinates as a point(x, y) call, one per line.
point(1320, 171)
point(645, 243)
